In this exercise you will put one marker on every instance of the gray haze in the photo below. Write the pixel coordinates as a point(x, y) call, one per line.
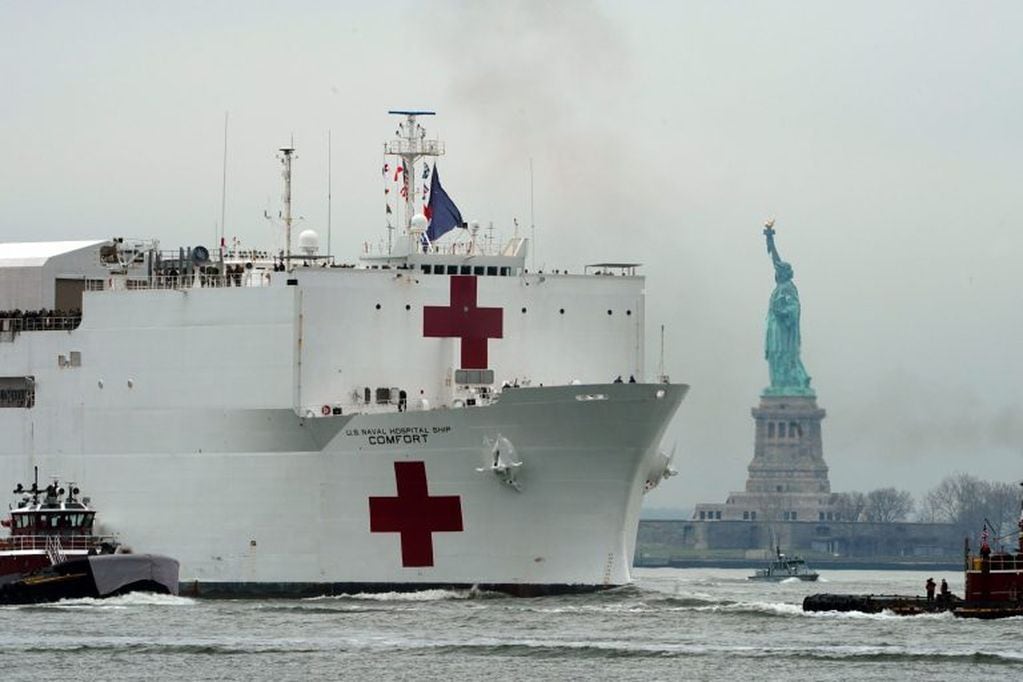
point(884, 137)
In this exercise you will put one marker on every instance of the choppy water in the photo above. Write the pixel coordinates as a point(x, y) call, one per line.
point(673, 624)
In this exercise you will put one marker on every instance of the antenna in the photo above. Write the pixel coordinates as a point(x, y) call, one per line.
point(287, 154)
point(532, 222)
point(223, 198)
point(329, 186)
point(662, 377)
point(410, 144)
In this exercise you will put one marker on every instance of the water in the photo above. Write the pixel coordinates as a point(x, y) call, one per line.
point(694, 624)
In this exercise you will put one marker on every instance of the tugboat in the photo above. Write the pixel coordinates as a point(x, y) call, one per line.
point(52, 552)
point(994, 588)
point(785, 567)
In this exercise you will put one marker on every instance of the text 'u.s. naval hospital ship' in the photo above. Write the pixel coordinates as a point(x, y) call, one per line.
point(283, 425)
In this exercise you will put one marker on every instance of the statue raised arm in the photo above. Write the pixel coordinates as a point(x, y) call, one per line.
point(782, 342)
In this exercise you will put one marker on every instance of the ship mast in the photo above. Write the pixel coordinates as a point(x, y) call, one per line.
point(287, 154)
point(411, 144)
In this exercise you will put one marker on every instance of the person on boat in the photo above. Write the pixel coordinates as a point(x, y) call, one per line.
point(945, 594)
point(930, 589)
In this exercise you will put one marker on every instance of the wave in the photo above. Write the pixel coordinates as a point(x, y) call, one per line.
point(195, 648)
point(536, 648)
point(121, 602)
point(857, 654)
point(415, 596)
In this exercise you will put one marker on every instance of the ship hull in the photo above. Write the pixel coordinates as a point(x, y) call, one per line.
point(267, 503)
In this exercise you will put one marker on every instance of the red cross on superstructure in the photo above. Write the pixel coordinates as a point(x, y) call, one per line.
point(463, 319)
point(414, 514)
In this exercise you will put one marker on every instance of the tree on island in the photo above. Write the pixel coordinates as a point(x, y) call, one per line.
point(888, 505)
point(969, 503)
point(849, 505)
point(884, 505)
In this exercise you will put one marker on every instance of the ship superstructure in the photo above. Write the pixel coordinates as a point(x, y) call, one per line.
point(282, 423)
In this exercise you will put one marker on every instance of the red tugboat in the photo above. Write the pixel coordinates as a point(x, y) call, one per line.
point(52, 552)
point(994, 589)
point(994, 582)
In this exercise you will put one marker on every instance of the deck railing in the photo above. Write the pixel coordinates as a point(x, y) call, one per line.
point(13, 324)
point(249, 278)
point(41, 542)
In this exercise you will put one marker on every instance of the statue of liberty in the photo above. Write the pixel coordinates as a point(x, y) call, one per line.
point(781, 346)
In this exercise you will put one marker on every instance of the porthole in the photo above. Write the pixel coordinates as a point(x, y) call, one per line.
point(378, 306)
point(408, 307)
point(608, 312)
point(523, 310)
point(562, 311)
point(628, 312)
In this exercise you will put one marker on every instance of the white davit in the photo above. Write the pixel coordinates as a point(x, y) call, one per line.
point(284, 424)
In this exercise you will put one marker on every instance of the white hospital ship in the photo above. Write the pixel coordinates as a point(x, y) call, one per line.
point(434, 415)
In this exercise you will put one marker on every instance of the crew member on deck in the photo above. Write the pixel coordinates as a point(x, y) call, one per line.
point(930, 589)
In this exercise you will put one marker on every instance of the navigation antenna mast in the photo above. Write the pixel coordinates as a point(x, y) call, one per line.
point(410, 144)
point(662, 377)
point(287, 155)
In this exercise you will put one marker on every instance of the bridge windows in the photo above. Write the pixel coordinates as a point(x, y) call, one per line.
point(476, 270)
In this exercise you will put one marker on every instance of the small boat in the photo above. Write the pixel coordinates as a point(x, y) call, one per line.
point(785, 567)
point(52, 552)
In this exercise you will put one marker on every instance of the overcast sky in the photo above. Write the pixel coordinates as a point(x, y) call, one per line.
point(883, 137)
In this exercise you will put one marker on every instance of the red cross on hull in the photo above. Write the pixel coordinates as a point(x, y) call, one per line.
point(465, 320)
point(414, 514)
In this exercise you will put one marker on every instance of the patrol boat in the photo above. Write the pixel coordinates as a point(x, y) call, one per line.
point(784, 567)
point(442, 415)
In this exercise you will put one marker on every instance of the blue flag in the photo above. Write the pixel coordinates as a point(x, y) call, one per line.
point(441, 211)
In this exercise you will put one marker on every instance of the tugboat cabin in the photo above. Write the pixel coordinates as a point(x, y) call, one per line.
point(66, 518)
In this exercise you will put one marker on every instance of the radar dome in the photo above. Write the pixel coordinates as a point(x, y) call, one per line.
point(419, 223)
point(309, 242)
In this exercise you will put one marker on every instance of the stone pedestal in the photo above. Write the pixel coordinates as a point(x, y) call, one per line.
point(788, 479)
point(788, 456)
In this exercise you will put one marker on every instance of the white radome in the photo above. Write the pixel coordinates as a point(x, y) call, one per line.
point(309, 242)
point(419, 224)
